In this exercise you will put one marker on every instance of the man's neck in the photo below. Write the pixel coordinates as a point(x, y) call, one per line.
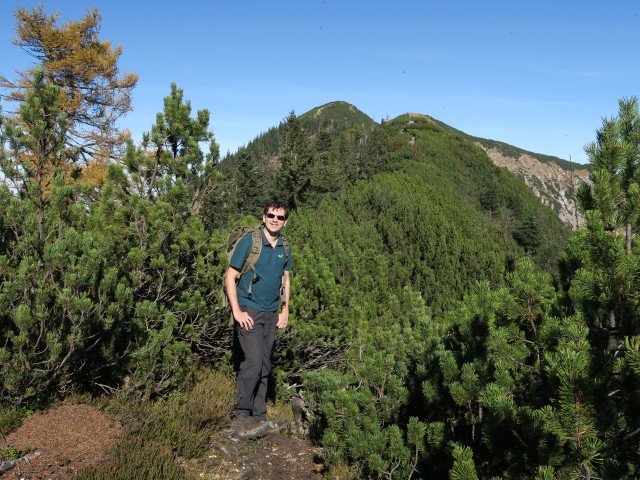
point(270, 236)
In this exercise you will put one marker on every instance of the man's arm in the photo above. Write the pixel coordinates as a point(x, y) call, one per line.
point(283, 316)
point(241, 317)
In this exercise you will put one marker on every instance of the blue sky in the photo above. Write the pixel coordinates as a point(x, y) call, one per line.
point(537, 75)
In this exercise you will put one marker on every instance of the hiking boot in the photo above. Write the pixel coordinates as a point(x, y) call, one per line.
point(240, 414)
point(240, 418)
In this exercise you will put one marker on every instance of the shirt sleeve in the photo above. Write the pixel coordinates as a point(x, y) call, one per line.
point(241, 252)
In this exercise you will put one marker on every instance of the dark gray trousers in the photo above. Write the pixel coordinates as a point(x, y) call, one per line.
point(256, 344)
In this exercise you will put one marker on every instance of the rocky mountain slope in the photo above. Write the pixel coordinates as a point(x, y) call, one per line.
point(551, 178)
point(552, 183)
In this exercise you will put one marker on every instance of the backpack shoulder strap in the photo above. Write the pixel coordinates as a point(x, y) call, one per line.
point(285, 244)
point(287, 248)
point(254, 253)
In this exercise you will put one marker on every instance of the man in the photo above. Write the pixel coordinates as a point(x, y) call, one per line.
point(260, 304)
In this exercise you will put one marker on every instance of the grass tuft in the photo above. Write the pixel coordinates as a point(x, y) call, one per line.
point(184, 420)
point(137, 459)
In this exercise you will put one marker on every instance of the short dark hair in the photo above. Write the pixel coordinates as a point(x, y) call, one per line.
point(277, 205)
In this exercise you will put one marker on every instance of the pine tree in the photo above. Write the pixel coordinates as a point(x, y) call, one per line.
point(615, 191)
point(352, 152)
point(51, 288)
point(489, 199)
point(612, 203)
point(170, 155)
point(37, 151)
point(152, 206)
point(603, 273)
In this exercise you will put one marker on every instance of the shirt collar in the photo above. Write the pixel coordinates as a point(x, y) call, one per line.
point(267, 242)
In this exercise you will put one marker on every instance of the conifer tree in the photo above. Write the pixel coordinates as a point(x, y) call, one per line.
point(171, 155)
point(603, 269)
point(125, 286)
point(295, 160)
point(612, 203)
point(489, 200)
point(352, 153)
point(527, 233)
point(51, 290)
point(36, 148)
point(323, 141)
point(251, 184)
point(152, 204)
point(615, 157)
point(93, 93)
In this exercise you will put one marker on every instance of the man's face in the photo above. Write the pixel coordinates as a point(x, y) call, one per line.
point(274, 219)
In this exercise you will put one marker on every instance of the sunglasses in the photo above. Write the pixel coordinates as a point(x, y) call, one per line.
point(282, 218)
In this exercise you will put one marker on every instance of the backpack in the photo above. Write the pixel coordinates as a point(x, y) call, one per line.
point(230, 245)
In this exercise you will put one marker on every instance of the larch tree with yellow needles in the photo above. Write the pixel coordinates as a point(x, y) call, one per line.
point(94, 94)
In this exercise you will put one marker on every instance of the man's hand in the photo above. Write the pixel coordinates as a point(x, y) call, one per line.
point(283, 318)
point(243, 318)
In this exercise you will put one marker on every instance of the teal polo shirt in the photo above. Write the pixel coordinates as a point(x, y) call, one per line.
point(265, 292)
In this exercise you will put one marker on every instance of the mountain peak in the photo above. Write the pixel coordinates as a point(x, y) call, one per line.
point(418, 115)
point(340, 112)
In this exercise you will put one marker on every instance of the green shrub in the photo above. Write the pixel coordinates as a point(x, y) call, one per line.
point(184, 420)
point(11, 453)
point(137, 459)
point(10, 419)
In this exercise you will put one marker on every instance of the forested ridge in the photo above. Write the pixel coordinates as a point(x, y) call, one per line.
point(444, 323)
